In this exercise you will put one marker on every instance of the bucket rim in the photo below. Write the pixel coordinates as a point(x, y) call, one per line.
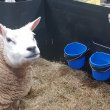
point(78, 53)
point(94, 64)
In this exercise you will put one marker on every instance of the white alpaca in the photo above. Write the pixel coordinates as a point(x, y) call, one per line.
point(18, 49)
point(10, 1)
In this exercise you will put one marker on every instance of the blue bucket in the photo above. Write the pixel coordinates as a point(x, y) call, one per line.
point(75, 54)
point(100, 64)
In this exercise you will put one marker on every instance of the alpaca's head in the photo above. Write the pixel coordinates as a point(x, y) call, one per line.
point(20, 46)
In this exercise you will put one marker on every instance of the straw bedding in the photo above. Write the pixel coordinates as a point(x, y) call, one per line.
point(57, 87)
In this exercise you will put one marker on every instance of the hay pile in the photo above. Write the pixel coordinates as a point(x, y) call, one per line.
point(57, 87)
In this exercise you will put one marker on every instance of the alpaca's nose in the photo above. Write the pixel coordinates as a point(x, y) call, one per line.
point(31, 49)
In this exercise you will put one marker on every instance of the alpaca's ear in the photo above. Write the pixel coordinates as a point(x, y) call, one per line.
point(2, 30)
point(34, 24)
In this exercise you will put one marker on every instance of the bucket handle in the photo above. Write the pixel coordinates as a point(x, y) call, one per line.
point(100, 69)
point(68, 58)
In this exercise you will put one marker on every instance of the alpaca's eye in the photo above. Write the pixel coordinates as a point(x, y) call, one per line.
point(9, 40)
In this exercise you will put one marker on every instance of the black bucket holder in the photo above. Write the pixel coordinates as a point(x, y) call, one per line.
point(75, 57)
point(100, 69)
